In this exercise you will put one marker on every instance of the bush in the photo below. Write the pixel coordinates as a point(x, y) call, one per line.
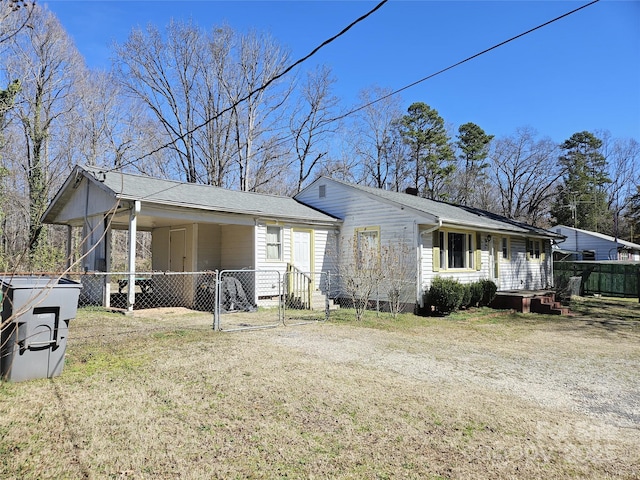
point(445, 295)
point(476, 292)
point(466, 295)
point(489, 290)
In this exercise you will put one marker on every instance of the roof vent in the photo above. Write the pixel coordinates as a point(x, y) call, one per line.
point(412, 191)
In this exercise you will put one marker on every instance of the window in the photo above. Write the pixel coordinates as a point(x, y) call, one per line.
point(368, 246)
point(454, 250)
point(322, 191)
point(534, 249)
point(274, 243)
point(504, 244)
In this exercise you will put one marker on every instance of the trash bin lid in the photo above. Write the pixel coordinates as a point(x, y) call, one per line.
point(34, 281)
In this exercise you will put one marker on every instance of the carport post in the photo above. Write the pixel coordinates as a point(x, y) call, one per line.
point(133, 225)
point(216, 303)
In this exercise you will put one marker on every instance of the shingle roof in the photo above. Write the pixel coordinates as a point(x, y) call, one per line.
point(453, 214)
point(128, 186)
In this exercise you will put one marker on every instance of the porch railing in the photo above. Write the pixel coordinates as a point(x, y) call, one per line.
point(299, 288)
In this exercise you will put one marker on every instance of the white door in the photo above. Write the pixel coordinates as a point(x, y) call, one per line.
point(177, 250)
point(302, 250)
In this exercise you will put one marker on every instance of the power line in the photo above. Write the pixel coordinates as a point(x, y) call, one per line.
point(262, 87)
point(487, 50)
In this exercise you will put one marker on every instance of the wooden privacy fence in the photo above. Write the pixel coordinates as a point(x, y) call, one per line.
point(615, 279)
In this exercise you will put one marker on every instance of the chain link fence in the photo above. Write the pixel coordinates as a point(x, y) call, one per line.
point(241, 299)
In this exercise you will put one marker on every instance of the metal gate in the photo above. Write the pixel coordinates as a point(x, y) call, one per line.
point(248, 299)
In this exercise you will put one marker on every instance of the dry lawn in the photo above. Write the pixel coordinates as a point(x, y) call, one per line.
point(478, 395)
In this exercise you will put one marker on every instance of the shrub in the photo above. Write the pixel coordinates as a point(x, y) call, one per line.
point(489, 290)
point(466, 295)
point(445, 295)
point(476, 292)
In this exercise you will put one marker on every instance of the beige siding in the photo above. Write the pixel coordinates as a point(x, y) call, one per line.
point(237, 247)
point(208, 257)
point(160, 249)
point(84, 202)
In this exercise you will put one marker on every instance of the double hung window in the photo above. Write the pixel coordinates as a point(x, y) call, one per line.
point(274, 243)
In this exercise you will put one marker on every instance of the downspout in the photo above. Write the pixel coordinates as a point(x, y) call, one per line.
point(437, 226)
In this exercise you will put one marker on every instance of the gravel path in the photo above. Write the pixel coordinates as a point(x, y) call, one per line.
point(578, 370)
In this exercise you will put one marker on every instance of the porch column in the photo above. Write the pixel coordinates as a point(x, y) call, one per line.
point(133, 225)
point(69, 247)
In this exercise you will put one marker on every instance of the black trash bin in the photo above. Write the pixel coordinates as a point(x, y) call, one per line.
point(35, 320)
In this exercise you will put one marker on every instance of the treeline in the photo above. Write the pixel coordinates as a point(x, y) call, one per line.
point(210, 105)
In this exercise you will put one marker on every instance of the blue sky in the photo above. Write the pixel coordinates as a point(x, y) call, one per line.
point(580, 73)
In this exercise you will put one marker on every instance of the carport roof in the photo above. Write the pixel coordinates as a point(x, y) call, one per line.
point(131, 187)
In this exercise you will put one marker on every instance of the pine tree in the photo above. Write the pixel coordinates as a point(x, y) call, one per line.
point(582, 199)
point(431, 154)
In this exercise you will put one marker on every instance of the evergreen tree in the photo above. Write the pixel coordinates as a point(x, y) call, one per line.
point(473, 144)
point(582, 200)
point(431, 154)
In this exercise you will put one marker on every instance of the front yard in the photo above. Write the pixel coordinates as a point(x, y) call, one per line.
point(480, 394)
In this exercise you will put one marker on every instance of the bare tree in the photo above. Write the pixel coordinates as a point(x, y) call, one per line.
point(622, 156)
point(162, 74)
point(13, 17)
point(377, 141)
point(255, 109)
point(45, 60)
point(526, 173)
point(311, 123)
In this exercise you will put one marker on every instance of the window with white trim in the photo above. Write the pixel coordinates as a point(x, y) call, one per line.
point(274, 243)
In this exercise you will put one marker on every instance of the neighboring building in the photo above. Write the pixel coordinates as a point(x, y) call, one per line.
point(442, 239)
point(585, 245)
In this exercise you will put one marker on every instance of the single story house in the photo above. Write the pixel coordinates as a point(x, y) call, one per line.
point(439, 238)
point(585, 245)
point(203, 228)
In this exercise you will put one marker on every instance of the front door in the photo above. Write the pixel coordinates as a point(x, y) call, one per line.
point(177, 250)
point(302, 250)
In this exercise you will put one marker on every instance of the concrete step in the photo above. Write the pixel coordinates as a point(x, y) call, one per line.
point(318, 302)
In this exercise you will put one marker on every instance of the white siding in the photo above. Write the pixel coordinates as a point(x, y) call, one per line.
point(357, 210)
point(465, 276)
point(520, 273)
point(580, 241)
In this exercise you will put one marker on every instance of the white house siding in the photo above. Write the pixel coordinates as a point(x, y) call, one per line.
point(319, 241)
point(357, 210)
point(463, 276)
point(520, 273)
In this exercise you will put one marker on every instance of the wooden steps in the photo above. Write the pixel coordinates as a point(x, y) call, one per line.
point(548, 305)
point(543, 302)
